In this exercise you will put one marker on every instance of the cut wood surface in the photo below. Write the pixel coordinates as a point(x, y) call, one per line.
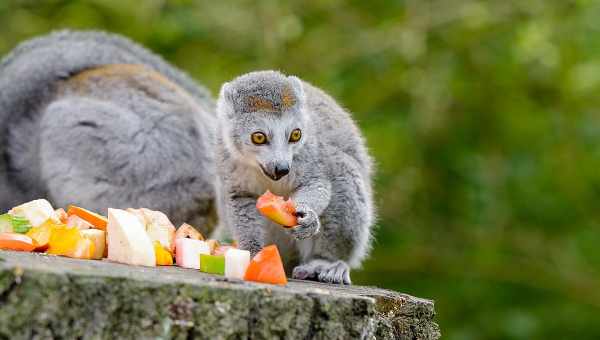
point(43, 296)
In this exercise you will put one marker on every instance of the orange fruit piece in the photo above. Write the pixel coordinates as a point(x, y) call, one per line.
point(69, 242)
point(98, 221)
point(14, 241)
point(163, 256)
point(277, 209)
point(266, 267)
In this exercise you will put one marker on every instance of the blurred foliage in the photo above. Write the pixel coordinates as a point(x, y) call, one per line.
point(484, 118)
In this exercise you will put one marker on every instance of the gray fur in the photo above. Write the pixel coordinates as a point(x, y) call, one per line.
point(329, 179)
point(119, 142)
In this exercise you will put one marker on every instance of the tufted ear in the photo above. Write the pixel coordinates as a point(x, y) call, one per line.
point(298, 89)
point(226, 99)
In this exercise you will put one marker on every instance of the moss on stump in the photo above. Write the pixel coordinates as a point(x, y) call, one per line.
point(45, 296)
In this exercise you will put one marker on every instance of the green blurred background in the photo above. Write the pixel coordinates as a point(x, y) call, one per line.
point(483, 116)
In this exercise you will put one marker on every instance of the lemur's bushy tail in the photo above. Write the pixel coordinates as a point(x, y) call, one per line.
point(30, 73)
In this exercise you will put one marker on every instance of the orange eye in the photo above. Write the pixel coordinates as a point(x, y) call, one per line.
point(258, 138)
point(295, 136)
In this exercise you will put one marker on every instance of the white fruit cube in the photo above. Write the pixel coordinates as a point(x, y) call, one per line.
point(236, 262)
point(187, 252)
point(36, 212)
point(99, 238)
point(127, 240)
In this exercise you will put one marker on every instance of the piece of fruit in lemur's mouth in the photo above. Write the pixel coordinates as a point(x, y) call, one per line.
point(277, 209)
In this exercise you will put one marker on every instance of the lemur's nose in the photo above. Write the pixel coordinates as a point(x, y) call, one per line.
point(281, 170)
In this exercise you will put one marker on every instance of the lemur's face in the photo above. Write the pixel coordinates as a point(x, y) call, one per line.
point(271, 141)
point(263, 121)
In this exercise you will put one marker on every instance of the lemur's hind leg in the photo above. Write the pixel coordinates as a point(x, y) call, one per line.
point(99, 155)
point(344, 238)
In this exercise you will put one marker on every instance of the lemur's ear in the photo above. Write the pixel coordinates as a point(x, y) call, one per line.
point(226, 99)
point(298, 89)
point(227, 92)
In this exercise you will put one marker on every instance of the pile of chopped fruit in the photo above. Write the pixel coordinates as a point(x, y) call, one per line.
point(132, 236)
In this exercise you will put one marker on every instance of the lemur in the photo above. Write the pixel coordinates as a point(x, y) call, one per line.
point(278, 133)
point(96, 120)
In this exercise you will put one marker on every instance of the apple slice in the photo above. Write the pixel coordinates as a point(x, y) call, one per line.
point(277, 209)
point(236, 263)
point(36, 212)
point(266, 267)
point(187, 231)
point(62, 215)
point(127, 240)
point(187, 252)
point(98, 237)
point(41, 235)
point(222, 249)
point(158, 227)
point(75, 221)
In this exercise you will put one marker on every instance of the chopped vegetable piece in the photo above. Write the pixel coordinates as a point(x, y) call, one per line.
point(187, 252)
point(14, 241)
point(14, 224)
point(75, 221)
point(212, 264)
point(236, 262)
point(187, 231)
point(266, 267)
point(98, 221)
point(127, 240)
point(98, 237)
point(20, 224)
point(36, 212)
point(158, 227)
point(163, 256)
point(6, 223)
point(277, 209)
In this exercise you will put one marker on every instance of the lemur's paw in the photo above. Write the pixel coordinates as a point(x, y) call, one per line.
point(324, 271)
point(337, 272)
point(308, 223)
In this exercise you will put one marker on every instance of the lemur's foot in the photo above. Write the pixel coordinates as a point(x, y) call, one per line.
point(336, 272)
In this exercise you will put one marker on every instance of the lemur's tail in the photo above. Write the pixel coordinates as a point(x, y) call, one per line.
point(30, 73)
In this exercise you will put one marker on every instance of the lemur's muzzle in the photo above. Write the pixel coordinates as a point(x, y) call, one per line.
point(279, 171)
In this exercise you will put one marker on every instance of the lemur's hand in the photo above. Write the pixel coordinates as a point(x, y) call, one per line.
point(308, 223)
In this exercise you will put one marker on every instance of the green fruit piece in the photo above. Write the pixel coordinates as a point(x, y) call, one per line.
point(6, 224)
point(213, 264)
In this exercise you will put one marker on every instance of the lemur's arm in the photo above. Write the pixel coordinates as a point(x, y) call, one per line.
point(311, 198)
point(242, 218)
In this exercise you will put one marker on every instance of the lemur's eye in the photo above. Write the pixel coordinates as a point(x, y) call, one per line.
point(295, 136)
point(259, 138)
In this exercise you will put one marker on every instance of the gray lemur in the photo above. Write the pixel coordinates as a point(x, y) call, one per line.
point(278, 133)
point(94, 119)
